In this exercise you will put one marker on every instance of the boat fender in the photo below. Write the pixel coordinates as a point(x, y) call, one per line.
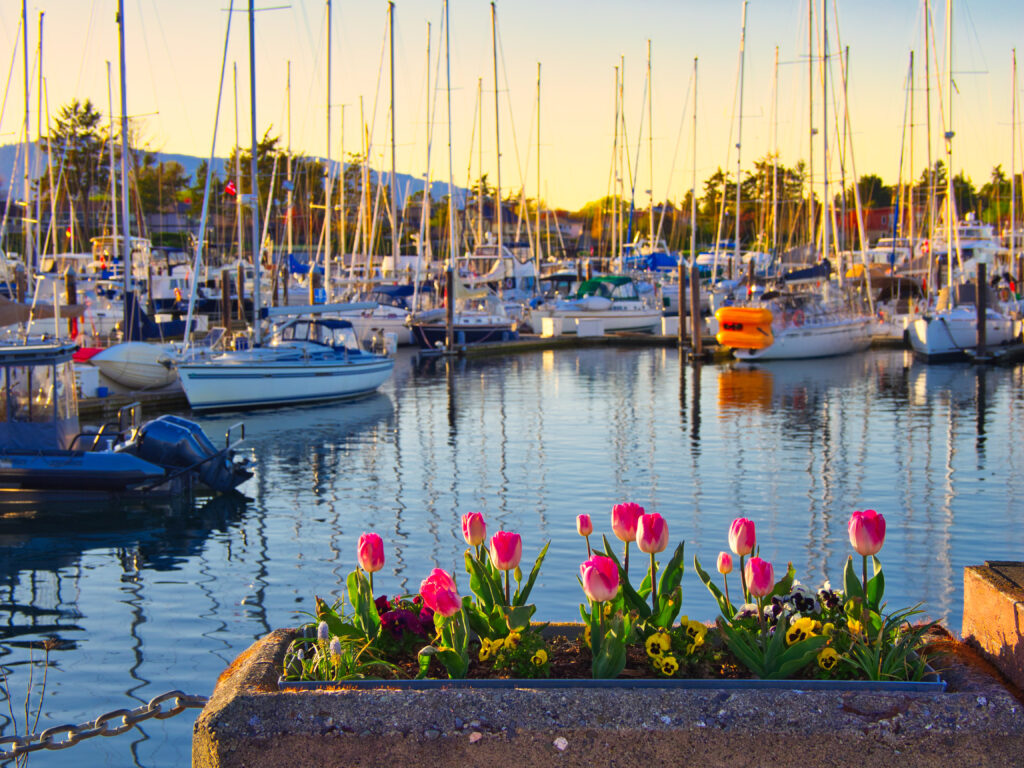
point(798, 317)
point(177, 294)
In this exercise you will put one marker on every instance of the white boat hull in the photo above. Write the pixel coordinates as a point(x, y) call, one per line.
point(814, 340)
point(137, 364)
point(238, 381)
point(953, 334)
point(368, 325)
point(640, 320)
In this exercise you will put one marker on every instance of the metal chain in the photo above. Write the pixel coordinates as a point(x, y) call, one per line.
point(12, 746)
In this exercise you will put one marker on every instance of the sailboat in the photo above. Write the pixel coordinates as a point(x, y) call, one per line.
point(955, 330)
point(309, 358)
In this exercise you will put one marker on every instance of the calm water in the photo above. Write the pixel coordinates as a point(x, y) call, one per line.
point(144, 601)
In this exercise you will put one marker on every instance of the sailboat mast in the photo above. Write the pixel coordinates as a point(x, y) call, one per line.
point(810, 124)
point(451, 175)
point(1013, 164)
point(950, 203)
point(775, 154)
point(257, 250)
point(39, 136)
point(497, 127)
point(910, 163)
point(238, 168)
point(480, 161)
point(826, 204)
point(613, 240)
point(539, 255)
point(930, 171)
point(26, 232)
point(328, 211)
point(126, 228)
point(739, 143)
point(650, 147)
point(394, 183)
point(288, 166)
point(113, 176)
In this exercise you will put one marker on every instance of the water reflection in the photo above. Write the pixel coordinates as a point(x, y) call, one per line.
point(163, 599)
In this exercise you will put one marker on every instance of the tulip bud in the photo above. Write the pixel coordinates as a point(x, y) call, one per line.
point(584, 527)
point(867, 532)
point(624, 520)
point(652, 533)
point(600, 578)
point(506, 550)
point(741, 536)
point(370, 552)
point(724, 562)
point(474, 530)
point(760, 577)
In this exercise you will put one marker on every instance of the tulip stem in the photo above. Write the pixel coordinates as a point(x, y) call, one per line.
point(743, 580)
point(725, 578)
point(625, 560)
point(864, 605)
point(654, 586)
point(589, 553)
point(507, 601)
point(371, 584)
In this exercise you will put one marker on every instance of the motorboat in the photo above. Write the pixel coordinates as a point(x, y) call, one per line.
point(139, 365)
point(308, 359)
point(44, 452)
point(793, 325)
point(613, 299)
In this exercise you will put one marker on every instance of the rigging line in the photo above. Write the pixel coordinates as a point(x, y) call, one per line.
point(725, 176)
point(511, 117)
point(639, 141)
point(185, 112)
point(85, 47)
point(10, 72)
point(675, 155)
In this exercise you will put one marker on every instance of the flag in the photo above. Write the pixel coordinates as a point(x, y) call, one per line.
point(229, 189)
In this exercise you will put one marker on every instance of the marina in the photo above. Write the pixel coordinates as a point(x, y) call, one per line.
point(137, 601)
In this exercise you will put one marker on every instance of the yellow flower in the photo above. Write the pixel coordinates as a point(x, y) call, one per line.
point(696, 632)
point(586, 635)
point(801, 629)
point(607, 610)
point(512, 640)
point(540, 658)
point(828, 629)
point(669, 666)
point(658, 643)
point(485, 649)
point(828, 658)
point(656, 661)
point(854, 626)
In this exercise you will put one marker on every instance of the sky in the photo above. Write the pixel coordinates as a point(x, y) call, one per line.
point(174, 50)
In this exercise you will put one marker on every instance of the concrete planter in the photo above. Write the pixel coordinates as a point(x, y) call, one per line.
point(250, 721)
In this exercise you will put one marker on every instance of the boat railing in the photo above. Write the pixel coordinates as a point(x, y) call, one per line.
point(237, 427)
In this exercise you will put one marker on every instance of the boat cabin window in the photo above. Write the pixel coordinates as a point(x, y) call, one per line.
point(330, 335)
point(40, 407)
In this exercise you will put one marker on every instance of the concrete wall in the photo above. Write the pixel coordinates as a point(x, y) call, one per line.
point(248, 722)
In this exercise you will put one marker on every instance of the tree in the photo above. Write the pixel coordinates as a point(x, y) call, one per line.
point(76, 146)
point(161, 184)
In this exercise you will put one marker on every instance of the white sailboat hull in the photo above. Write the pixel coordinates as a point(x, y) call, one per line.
point(815, 340)
point(241, 380)
point(953, 334)
point(642, 320)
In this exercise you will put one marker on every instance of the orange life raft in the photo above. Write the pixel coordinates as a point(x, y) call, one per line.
point(744, 327)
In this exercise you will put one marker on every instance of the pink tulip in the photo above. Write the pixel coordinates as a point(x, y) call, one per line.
point(474, 530)
point(760, 577)
point(506, 550)
point(370, 552)
point(652, 533)
point(583, 525)
point(741, 536)
point(439, 593)
point(724, 563)
point(624, 520)
point(600, 577)
point(867, 532)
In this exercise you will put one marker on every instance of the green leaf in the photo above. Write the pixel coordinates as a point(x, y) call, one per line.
point(364, 611)
point(851, 584)
point(483, 584)
point(723, 605)
point(522, 595)
point(672, 574)
point(784, 585)
point(519, 616)
point(668, 608)
point(876, 586)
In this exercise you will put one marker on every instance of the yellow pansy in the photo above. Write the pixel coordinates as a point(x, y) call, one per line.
point(513, 639)
point(656, 661)
point(485, 649)
point(540, 658)
point(828, 658)
point(854, 626)
point(669, 666)
point(658, 643)
point(586, 635)
point(696, 632)
point(801, 629)
point(828, 629)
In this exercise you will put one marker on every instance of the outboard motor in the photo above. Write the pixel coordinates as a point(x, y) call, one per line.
point(178, 443)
